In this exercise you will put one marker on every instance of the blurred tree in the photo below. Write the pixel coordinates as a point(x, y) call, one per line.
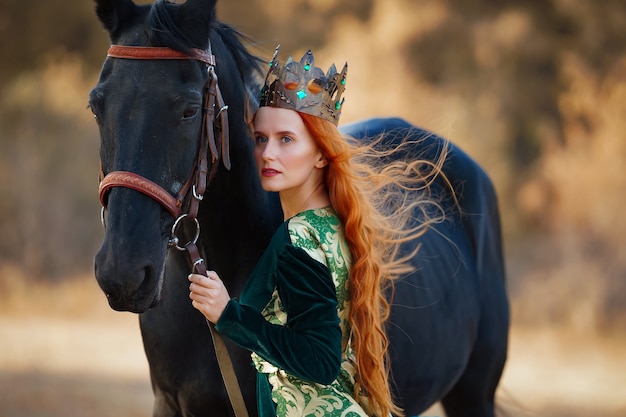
point(292, 24)
point(49, 212)
point(33, 32)
point(515, 51)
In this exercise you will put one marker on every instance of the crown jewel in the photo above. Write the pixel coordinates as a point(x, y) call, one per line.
point(303, 87)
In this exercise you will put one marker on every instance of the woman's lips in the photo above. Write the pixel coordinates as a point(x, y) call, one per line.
point(269, 172)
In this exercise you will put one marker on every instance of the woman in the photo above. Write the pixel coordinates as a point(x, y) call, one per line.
point(313, 311)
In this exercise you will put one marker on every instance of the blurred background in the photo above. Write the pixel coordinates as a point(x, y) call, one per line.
point(534, 90)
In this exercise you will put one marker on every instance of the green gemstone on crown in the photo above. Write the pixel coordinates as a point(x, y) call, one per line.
point(301, 94)
point(307, 67)
point(343, 82)
point(337, 105)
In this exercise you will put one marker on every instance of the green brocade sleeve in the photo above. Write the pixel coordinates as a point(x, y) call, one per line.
point(309, 345)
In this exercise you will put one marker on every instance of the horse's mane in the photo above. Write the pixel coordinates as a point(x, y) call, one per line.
point(249, 65)
point(165, 32)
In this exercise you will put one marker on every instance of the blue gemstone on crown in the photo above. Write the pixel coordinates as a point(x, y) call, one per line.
point(301, 94)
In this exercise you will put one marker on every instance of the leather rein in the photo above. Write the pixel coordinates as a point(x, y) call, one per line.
point(184, 206)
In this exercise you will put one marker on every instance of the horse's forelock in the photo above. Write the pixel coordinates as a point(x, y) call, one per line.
point(178, 28)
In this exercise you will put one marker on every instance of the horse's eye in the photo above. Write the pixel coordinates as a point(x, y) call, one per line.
point(190, 112)
point(95, 103)
point(93, 111)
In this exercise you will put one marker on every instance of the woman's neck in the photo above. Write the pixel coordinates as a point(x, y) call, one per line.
point(294, 204)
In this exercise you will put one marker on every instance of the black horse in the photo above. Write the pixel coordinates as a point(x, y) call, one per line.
point(449, 322)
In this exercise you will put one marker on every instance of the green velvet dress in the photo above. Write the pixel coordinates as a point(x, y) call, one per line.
point(293, 316)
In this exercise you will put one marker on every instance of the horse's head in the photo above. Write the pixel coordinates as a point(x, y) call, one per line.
point(150, 114)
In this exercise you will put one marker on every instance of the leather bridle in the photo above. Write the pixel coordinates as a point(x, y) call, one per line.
point(193, 190)
point(184, 206)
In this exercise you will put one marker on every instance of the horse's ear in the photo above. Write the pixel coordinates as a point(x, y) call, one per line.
point(195, 18)
point(113, 13)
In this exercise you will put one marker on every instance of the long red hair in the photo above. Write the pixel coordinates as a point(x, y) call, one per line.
point(374, 207)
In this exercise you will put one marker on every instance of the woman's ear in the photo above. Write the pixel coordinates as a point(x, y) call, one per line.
point(321, 162)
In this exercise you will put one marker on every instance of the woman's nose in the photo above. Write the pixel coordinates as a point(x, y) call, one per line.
point(268, 152)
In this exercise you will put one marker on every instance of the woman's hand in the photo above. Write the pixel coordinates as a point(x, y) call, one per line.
point(208, 295)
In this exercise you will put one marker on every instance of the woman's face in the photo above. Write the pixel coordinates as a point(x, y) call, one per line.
point(287, 157)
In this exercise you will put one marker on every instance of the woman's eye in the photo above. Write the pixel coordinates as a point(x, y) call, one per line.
point(261, 139)
point(286, 139)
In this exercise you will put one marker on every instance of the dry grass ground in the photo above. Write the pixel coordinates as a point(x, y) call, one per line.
point(63, 352)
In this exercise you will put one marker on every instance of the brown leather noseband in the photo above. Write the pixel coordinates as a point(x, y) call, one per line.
point(193, 190)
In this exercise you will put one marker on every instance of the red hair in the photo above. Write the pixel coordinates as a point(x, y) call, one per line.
point(361, 193)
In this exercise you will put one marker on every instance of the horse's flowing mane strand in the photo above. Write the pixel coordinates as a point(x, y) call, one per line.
point(249, 65)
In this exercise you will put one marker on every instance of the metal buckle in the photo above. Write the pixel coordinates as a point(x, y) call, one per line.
point(174, 239)
point(197, 196)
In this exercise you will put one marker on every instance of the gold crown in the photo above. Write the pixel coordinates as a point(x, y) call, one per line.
point(303, 87)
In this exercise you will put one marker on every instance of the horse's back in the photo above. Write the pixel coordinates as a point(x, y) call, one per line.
point(449, 320)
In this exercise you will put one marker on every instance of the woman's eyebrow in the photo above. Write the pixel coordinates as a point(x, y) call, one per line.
point(280, 133)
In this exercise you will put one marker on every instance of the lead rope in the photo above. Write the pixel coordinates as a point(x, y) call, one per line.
point(223, 358)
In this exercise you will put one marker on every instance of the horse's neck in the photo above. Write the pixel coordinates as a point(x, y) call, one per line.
point(237, 218)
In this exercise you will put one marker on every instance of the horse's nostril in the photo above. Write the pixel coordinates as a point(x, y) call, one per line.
point(143, 275)
point(146, 281)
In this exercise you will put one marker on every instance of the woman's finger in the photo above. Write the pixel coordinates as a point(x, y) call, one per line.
point(212, 275)
point(203, 281)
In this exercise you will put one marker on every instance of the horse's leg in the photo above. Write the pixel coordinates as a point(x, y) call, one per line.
point(162, 406)
point(473, 394)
